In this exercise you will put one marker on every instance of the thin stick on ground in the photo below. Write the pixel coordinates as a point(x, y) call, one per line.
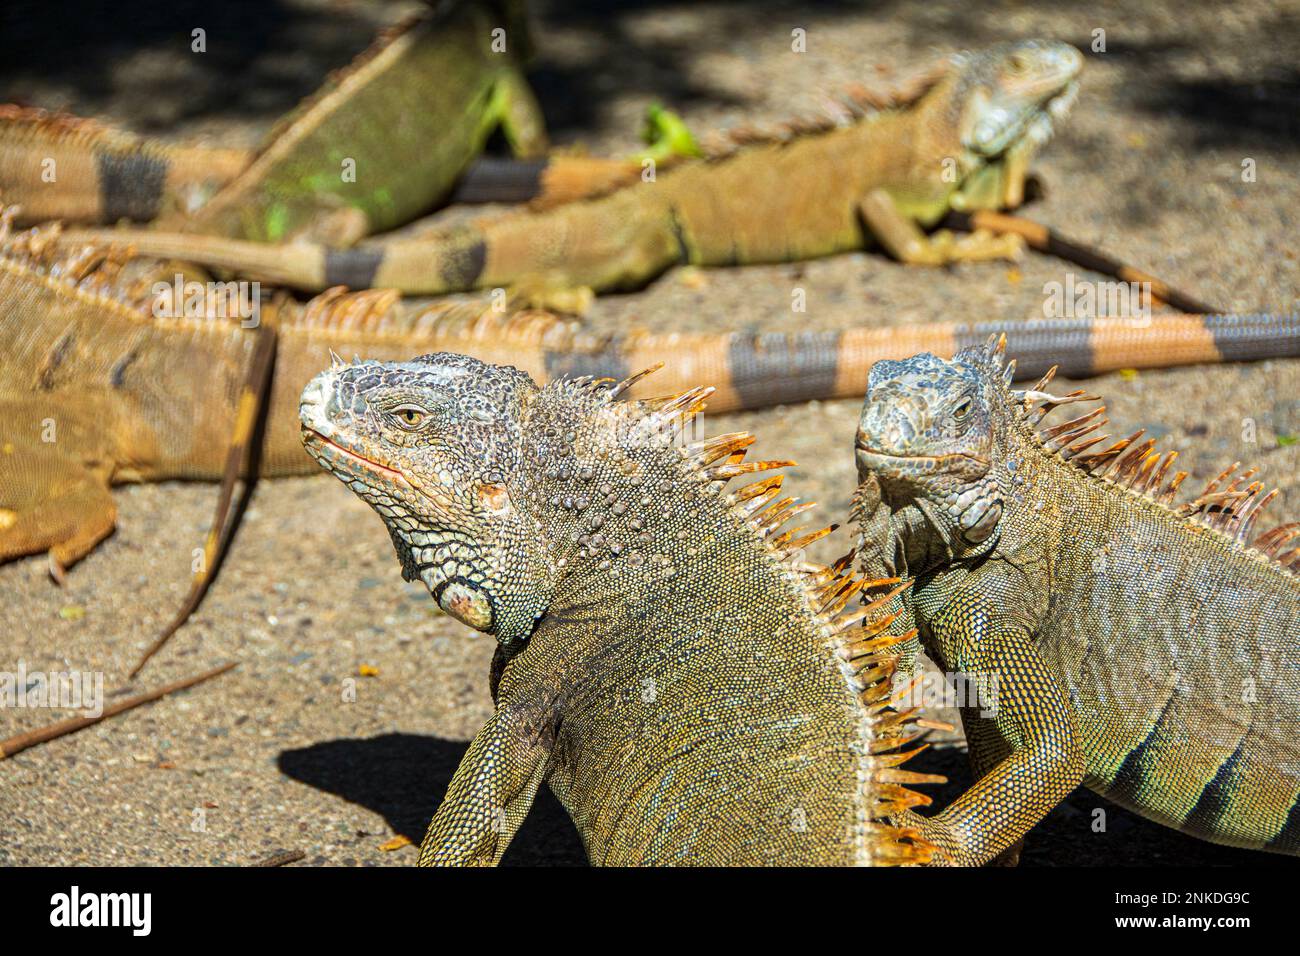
point(283, 858)
point(254, 399)
point(20, 742)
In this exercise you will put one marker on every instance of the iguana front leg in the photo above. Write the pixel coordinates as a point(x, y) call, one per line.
point(986, 748)
point(1032, 716)
point(490, 794)
point(903, 239)
point(520, 116)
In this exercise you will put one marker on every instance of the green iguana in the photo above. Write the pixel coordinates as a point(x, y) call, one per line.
point(1146, 649)
point(676, 725)
point(379, 144)
point(140, 388)
point(965, 143)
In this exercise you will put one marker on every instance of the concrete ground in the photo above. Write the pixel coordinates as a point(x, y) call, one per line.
point(276, 755)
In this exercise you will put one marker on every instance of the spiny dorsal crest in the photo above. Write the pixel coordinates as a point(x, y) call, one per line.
point(1231, 503)
point(855, 631)
point(61, 127)
point(112, 277)
point(535, 327)
point(454, 324)
point(837, 111)
point(336, 78)
point(336, 309)
point(90, 270)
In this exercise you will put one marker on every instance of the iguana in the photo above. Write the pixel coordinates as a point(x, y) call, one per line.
point(965, 143)
point(1144, 648)
point(59, 166)
point(690, 687)
point(141, 389)
point(380, 143)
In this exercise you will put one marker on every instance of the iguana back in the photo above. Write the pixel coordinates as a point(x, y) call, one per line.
point(385, 139)
point(1153, 649)
point(381, 142)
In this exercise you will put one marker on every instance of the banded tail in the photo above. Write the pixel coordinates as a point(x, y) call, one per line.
point(101, 173)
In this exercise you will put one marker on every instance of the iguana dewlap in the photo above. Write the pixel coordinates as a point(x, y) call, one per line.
point(682, 680)
point(1146, 649)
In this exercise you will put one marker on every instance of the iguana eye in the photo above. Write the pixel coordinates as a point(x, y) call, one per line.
point(962, 410)
point(409, 416)
point(1016, 64)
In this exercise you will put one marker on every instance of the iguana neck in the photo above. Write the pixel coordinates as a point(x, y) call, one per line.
point(599, 475)
point(937, 124)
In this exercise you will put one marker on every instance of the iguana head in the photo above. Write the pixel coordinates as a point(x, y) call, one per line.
point(930, 433)
point(433, 445)
point(1008, 95)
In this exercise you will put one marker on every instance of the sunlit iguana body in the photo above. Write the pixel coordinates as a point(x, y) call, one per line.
point(78, 170)
point(380, 143)
point(684, 682)
point(965, 143)
point(140, 392)
point(1147, 649)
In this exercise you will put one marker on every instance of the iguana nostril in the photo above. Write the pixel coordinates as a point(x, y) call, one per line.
point(314, 405)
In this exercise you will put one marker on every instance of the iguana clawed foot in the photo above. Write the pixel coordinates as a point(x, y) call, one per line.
point(978, 246)
point(903, 239)
point(339, 228)
point(667, 137)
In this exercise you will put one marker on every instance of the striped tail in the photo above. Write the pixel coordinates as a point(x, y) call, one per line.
point(426, 266)
point(756, 370)
point(102, 173)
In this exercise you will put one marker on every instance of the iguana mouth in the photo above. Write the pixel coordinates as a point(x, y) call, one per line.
point(334, 456)
point(331, 448)
point(886, 463)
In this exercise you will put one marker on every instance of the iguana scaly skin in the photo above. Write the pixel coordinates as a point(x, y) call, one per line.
point(681, 679)
point(57, 166)
point(406, 117)
point(380, 143)
point(143, 392)
point(1147, 649)
point(964, 144)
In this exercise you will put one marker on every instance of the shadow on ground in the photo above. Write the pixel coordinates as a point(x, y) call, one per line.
point(403, 777)
point(260, 59)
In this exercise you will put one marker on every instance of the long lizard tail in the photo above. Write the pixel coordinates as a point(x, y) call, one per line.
point(543, 183)
point(241, 458)
point(1043, 239)
point(103, 173)
point(758, 370)
point(425, 266)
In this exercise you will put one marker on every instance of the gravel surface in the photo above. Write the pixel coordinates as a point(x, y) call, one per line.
point(295, 749)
